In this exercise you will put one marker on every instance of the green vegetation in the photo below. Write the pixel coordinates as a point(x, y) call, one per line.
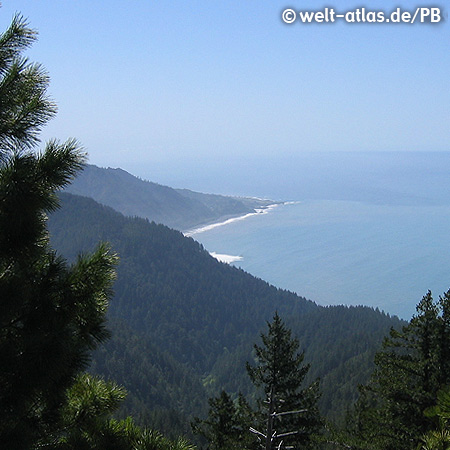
point(228, 424)
point(288, 411)
point(438, 438)
point(411, 369)
point(51, 315)
point(178, 208)
point(191, 322)
point(183, 326)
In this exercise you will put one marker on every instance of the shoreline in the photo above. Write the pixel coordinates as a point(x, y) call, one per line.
point(228, 259)
point(228, 220)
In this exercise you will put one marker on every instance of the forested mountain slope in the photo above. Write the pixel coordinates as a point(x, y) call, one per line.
point(178, 208)
point(194, 320)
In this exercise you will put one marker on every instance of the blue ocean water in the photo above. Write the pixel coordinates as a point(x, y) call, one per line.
point(360, 229)
point(344, 252)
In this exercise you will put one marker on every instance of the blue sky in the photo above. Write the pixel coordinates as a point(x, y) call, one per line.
point(144, 81)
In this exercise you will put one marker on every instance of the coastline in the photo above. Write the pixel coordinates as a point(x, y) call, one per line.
point(228, 259)
point(226, 220)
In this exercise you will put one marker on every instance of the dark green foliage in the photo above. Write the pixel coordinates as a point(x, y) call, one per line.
point(228, 424)
point(439, 437)
point(410, 370)
point(287, 406)
point(168, 287)
point(161, 391)
point(87, 424)
point(51, 315)
point(177, 208)
point(442, 408)
point(118, 435)
point(206, 316)
point(340, 343)
point(89, 403)
point(24, 105)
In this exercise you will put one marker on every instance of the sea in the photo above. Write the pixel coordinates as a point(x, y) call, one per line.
point(353, 228)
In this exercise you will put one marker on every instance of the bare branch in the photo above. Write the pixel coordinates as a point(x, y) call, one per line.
point(287, 434)
point(257, 432)
point(289, 412)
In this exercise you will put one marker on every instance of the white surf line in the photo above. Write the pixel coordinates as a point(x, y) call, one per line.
point(296, 202)
point(226, 258)
point(233, 219)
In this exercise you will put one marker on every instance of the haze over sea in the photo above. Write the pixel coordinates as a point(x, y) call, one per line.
point(358, 229)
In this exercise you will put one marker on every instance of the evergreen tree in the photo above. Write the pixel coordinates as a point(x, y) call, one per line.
point(51, 315)
point(24, 104)
point(87, 424)
point(289, 413)
point(411, 368)
point(228, 423)
point(438, 438)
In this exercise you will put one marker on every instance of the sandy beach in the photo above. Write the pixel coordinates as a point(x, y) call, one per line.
point(229, 220)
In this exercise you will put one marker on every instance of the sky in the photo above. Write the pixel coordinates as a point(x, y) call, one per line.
point(144, 82)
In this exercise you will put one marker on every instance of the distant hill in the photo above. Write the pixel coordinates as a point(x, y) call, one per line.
point(181, 209)
point(184, 324)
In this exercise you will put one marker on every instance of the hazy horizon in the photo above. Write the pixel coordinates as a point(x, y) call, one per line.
point(355, 234)
point(153, 82)
point(409, 177)
point(224, 97)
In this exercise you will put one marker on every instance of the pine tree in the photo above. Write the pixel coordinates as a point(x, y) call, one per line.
point(439, 437)
point(227, 425)
point(51, 315)
point(24, 104)
point(288, 411)
point(411, 368)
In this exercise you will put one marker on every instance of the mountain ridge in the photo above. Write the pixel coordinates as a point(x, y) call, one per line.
point(181, 209)
point(203, 315)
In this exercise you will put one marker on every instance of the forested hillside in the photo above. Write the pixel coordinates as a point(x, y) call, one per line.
point(188, 332)
point(178, 208)
point(194, 320)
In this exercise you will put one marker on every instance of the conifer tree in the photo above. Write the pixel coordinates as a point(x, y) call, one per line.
point(24, 104)
point(411, 368)
point(289, 415)
point(228, 424)
point(51, 315)
point(438, 438)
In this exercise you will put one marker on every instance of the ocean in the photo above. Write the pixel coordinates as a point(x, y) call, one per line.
point(356, 229)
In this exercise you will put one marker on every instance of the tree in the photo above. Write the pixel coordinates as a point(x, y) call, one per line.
point(228, 423)
point(289, 413)
point(411, 368)
point(24, 104)
point(87, 423)
point(439, 438)
point(51, 315)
